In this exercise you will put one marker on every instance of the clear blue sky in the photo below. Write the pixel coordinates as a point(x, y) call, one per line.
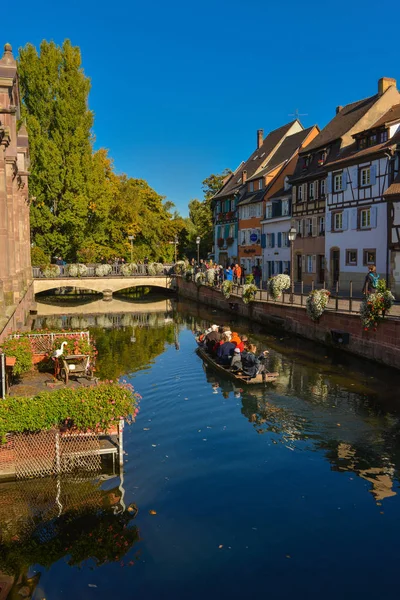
point(179, 88)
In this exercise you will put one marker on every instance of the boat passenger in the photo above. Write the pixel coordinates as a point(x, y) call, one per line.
point(225, 350)
point(212, 338)
point(243, 342)
point(235, 338)
point(236, 364)
point(252, 364)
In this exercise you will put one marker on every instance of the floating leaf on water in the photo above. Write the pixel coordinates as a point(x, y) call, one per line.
point(288, 556)
point(220, 546)
point(152, 512)
point(338, 424)
point(92, 585)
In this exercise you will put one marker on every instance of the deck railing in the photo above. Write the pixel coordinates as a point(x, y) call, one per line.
point(140, 270)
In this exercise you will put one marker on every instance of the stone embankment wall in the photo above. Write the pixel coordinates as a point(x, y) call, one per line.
point(382, 346)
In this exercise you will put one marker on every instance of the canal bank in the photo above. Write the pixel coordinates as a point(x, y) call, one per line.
point(339, 329)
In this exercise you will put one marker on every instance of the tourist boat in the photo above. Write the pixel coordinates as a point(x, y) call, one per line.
point(260, 378)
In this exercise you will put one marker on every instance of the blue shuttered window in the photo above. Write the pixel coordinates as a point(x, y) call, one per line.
point(236, 230)
point(263, 240)
point(373, 174)
point(279, 239)
point(345, 220)
point(272, 240)
point(353, 219)
point(329, 183)
point(374, 211)
point(226, 235)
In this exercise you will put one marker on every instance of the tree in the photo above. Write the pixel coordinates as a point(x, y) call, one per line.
point(54, 92)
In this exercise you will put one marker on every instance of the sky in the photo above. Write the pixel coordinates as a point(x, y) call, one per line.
point(179, 89)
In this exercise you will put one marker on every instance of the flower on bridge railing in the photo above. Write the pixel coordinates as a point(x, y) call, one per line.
point(180, 267)
point(155, 268)
point(276, 285)
point(375, 306)
point(249, 292)
point(227, 288)
point(128, 269)
point(51, 271)
point(103, 270)
point(77, 270)
point(200, 279)
point(316, 303)
point(210, 276)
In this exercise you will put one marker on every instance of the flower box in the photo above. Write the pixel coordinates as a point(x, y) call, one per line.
point(230, 241)
point(220, 242)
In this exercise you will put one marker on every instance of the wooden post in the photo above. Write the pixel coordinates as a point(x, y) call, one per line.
point(337, 297)
point(302, 291)
point(351, 297)
point(121, 442)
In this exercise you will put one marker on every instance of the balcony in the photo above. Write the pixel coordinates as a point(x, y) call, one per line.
point(228, 216)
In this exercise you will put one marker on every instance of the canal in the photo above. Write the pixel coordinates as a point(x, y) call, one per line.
point(289, 490)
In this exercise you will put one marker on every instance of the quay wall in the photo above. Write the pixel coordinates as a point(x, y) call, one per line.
point(15, 319)
point(382, 346)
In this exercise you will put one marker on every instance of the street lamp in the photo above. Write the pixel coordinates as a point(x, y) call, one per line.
point(292, 236)
point(175, 242)
point(131, 238)
point(198, 249)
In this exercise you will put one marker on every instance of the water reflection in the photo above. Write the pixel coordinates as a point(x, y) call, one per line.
point(45, 520)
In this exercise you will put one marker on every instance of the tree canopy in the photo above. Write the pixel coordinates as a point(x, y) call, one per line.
point(80, 209)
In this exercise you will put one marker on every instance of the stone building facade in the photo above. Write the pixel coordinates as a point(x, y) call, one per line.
point(15, 263)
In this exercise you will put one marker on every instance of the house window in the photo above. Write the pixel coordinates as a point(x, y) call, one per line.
point(311, 191)
point(270, 240)
point(321, 225)
point(268, 211)
point(285, 239)
point(285, 208)
point(337, 182)
point(299, 193)
point(322, 187)
point(351, 257)
point(218, 207)
point(299, 227)
point(309, 227)
point(365, 176)
point(365, 218)
point(309, 263)
point(251, 186)
point(383, 136)
point(362, 143)
point(338, 221)
point(260, 184)
point(322, 158)
point(316, 186)
point(372, 140)
point(369, 257)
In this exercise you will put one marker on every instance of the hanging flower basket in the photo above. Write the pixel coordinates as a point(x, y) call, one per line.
point(220, 242)
point(316, 303)
point(230, 241)
point(375, 306)
point(103, 270)
point(77, 270)
point(227, 288)
point(51, 271)
point(276, 285)
point(180, 267)
point(249, 292)
point(200, 279)
point(210, 276)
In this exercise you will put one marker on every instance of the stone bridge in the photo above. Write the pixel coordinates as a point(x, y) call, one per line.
point(105, 285)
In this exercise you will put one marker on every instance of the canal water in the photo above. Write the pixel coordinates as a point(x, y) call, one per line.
point(288, 490)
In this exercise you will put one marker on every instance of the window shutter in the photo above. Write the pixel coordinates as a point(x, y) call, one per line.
point(280, 266)
point(218, 232)
point(279, 239)
point(226, 232)
point(305, 192)
point(344, 180)
point(314, 227)
point(353, 218)
point(263, 240)
point(314, 262)
point(236, 229)
point(294, 194)
point(272, 240)
point(329, 183)
point(374, 211)
point(373, 174)
point(354, 178)
point(345, 220)
point(303, 263)
point(328, 225)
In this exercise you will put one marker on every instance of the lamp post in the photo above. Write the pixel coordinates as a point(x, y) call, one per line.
point(131, 238)
point(198, 249)
point(292, 236)
point(175, 242)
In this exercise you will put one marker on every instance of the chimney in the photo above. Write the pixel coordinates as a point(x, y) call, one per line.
point(338, 109)
point(260, 137)
point(385, 83)
point(244, 176)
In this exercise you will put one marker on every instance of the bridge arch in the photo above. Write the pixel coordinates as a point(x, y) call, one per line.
point(104, 285)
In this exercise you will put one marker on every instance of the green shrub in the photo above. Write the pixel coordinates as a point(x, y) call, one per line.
point(95, 408)
point(38, 257)
point(21, 349)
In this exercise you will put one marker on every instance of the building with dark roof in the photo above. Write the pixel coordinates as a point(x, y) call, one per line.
point(319, 259)
point(242, 186)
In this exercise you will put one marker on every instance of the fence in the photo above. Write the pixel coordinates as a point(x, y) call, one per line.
point(42, 343)
point(116, 271)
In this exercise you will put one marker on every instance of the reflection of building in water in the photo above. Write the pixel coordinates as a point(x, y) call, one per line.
point(104, 321)
point(348, 458)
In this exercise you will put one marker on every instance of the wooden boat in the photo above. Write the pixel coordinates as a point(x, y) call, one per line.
point(260, 378)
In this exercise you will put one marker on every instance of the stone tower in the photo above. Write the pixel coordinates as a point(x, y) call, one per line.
point(15, 264)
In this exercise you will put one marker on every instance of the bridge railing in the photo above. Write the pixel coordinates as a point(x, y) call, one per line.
point(90, 270)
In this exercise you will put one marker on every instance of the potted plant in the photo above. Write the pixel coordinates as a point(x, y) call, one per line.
point(230, 241)
point(316, 303)
point(276, 285)
point(220, 242)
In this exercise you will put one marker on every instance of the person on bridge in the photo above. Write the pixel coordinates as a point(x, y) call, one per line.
point(228, 274)
point(371, 281)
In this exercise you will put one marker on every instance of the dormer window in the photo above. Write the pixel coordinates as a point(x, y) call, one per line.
point(383, 136)
point(372, 140)
point(322, 158)
point(251, 186)
point(362, 143)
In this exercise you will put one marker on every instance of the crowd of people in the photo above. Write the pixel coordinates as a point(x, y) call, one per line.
point(232, 272)
point(230, 350)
